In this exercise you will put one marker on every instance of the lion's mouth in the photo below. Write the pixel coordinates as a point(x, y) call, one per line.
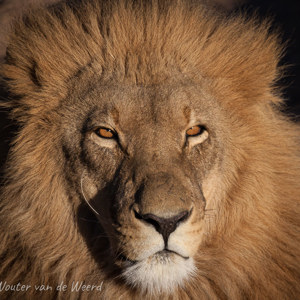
point(166, 253)
point(163, 270)
point(163, 256)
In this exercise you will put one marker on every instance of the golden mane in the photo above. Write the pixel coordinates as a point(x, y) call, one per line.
point(253, 245)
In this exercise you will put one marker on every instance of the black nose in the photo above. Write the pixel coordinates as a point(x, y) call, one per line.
point(165, 226)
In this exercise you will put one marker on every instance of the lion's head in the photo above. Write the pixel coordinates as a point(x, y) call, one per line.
point(151, 153)
point(147, 156)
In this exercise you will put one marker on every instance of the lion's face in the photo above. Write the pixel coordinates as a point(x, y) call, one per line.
point(143, 157)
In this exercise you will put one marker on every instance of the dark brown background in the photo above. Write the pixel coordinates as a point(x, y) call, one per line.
point(285, 14)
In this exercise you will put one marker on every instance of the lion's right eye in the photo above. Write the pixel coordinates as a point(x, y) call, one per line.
point(105, 133)
point(195, 131)
point(196, 134)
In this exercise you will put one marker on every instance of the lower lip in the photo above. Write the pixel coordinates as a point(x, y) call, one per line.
point(163, 254)
point(167, 252)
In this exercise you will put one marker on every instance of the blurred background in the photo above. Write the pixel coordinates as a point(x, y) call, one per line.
point(284, 13)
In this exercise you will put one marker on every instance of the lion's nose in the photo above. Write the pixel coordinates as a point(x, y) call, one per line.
point(165, 226)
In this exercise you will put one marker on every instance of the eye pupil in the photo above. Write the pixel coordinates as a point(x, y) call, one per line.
point(105, 133)
point(194, 131)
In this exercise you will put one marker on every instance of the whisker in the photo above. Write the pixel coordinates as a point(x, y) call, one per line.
point(81, 186)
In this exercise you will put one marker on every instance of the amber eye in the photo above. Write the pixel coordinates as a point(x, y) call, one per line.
point(195, 130)
point(105, 133)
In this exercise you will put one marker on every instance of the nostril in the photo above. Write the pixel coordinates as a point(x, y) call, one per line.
point(185, 215)
point(165, 226)
point(147, 218)
point(137, 215)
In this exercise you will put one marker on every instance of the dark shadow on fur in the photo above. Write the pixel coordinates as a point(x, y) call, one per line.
point(96, 238)
point(7, 130)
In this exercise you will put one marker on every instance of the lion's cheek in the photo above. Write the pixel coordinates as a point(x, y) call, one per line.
point(213, 188)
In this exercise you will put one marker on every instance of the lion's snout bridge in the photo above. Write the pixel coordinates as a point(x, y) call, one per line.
point(163, 202)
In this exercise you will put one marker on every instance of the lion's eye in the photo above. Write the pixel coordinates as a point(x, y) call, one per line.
point(105, 133)
point(195, 131)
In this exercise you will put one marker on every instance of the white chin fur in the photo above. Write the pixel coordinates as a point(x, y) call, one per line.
point(159, 273)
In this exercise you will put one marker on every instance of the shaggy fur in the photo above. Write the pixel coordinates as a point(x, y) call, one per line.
point(250, 244)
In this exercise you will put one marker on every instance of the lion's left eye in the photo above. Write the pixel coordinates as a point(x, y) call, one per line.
point(195, 131)
point(105, 133)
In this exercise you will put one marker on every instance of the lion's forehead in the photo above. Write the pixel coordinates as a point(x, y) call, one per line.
point(169, 105)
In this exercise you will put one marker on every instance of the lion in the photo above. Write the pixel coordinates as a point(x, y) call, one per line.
point(152, 158)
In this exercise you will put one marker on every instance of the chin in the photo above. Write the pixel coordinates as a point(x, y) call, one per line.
point(162, 272)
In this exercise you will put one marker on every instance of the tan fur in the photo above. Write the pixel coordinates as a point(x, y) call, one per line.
point(148, 66)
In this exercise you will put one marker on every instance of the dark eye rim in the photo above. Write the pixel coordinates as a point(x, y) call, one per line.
point(114, 134)
point(202, 130)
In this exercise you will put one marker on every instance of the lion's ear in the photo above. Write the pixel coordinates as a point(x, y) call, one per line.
point(45, 51)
